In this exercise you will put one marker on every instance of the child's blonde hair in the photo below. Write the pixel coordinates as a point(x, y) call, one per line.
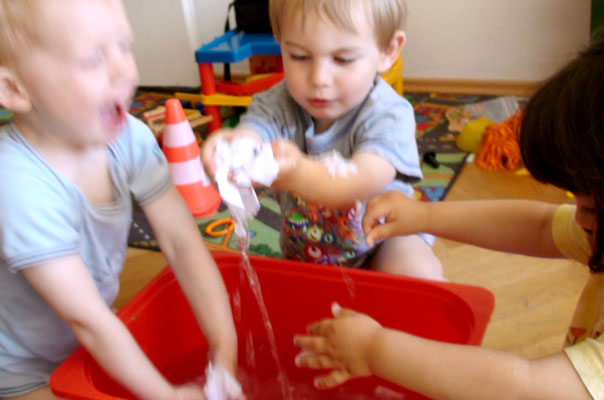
point(388, 15)
point(17, 30)
point(18, 27)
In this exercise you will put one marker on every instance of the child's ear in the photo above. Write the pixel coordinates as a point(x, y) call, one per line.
point(390, 55)
point(12, 94)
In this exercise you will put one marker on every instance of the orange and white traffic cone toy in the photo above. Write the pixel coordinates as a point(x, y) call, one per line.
point(183, 155)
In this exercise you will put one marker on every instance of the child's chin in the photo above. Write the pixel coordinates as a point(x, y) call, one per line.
point(114, 134)
point(114, 126)
point(109, 134)
point(325, 117)
point(326, 113)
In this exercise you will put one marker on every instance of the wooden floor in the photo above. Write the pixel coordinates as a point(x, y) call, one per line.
point(535, 298)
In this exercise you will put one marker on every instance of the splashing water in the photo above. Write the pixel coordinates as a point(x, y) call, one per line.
point(237, 305)
point(348, 281)
point(250, 354)
point(243, 243)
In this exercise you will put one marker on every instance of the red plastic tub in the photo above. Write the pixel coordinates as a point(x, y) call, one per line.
point(295, 294)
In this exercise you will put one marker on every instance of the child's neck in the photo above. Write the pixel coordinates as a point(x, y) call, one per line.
point(42, 139)
point(322, 125)
point(85, 166)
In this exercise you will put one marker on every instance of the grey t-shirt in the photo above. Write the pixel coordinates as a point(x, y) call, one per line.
point(44, 216)
point(383, 124)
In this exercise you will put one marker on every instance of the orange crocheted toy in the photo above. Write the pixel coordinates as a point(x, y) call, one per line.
point(500, 150)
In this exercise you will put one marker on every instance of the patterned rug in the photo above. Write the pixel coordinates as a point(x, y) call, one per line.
point(441, 163)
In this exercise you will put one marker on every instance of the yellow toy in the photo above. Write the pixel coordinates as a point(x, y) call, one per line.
point(470, 137)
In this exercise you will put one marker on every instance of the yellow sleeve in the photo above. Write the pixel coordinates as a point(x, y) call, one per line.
point(571, 240)
point(587, 358)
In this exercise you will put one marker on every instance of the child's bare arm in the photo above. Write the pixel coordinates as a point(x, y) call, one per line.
point(308, 177)
point(181, 243)
point(68, 287)
point(517, 226)
point(354, 345)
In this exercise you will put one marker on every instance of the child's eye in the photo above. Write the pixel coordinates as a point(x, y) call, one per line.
point(92, 60)
point(125, 46)
point(343, 60)
point(588, 210)
point(299, 57)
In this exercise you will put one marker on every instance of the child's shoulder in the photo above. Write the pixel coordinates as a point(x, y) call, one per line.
point(384, 102)
point(382, 94)
point(277, 94)
point(24, 178)
point(16, 156)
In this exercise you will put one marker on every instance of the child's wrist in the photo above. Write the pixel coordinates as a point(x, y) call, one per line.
point(372, 349)
point(291, 176)
point(425, 216)
point(226, 356)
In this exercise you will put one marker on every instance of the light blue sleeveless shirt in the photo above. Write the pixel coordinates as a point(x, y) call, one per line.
point(43, 216)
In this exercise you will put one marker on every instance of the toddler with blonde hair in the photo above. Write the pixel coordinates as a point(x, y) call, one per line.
point(69, 164)
point(333, 99)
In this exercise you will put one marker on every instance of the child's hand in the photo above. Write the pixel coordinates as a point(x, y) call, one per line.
point(392, 214)
point(227, 358)
point(208, 147)
point(342, 344)
point(289, 158)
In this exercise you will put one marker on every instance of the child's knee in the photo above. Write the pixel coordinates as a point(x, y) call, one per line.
point(409, 256)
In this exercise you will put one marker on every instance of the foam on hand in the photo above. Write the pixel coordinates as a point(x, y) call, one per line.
point(336, 165)
point(220, 384)
point(239, 163)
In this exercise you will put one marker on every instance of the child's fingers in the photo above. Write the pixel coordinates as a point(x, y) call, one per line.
point(379, 233)
point(210, 170)
point(208, 149)
point(314, 361)
point(333, 379)
point(309, 343)
point(340, 312)
point(373, 217)
point(376, 214)
point(321, 328)
point(207, 159)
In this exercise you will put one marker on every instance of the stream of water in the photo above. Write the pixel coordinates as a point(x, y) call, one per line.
point(243, 244)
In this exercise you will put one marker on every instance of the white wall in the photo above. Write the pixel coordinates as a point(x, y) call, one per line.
point(493, 39)
point(167, 32)
point(519, 40)
point(162, 45)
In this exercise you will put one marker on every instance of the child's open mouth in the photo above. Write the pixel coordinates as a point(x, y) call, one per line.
point(113, 116)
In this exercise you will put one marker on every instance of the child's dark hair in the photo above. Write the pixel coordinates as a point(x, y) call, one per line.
point(562, 134)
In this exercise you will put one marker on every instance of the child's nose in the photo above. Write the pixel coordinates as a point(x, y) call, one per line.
point(320, 74)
